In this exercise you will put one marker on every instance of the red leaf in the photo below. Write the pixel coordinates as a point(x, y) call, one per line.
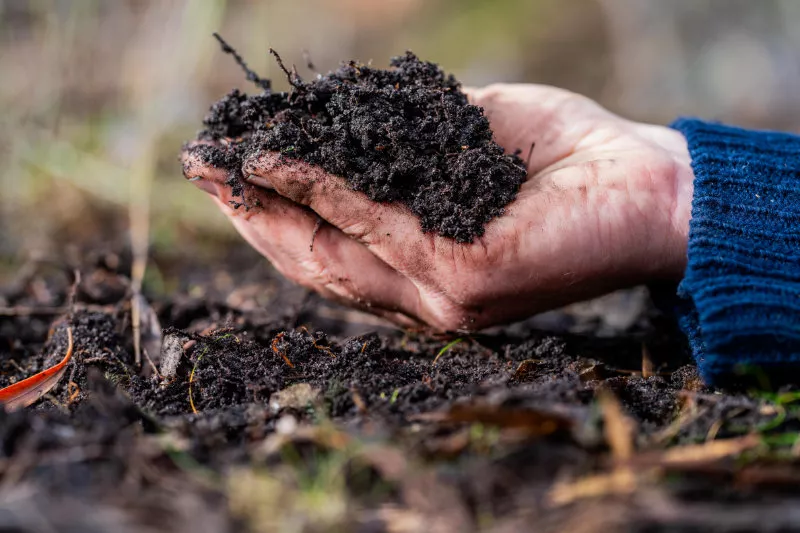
point(27, 391)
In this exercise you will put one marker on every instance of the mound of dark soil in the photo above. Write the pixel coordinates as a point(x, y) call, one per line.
point(405, 135)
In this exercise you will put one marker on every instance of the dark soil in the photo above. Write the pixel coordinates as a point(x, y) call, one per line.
point(406, 134)
point(255, 408)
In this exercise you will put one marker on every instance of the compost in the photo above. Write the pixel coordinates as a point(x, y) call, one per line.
point(406, 135)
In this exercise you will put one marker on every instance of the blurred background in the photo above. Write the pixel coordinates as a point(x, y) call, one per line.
point(97, 96)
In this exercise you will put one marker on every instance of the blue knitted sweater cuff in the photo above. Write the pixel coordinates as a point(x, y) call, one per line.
point(740, 297)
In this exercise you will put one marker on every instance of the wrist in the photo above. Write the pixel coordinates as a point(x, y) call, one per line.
point(677, 202)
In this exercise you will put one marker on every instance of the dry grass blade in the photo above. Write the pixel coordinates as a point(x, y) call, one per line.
point(139, 213)
point(445, 350)
point(619, 433)
point(618, 481)
point(531, 422)
point(709, 451)
point(619, 428)
point(32, 311)
point(27, 391)
point(647, 363)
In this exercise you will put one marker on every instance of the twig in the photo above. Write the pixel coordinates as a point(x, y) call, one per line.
point(528, 159)
point(264, 83)
point(152, 364)
point(291, 77)
point(73, 291)
point(647, 363)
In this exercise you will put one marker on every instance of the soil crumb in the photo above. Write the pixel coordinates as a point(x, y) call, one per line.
point(406, 134)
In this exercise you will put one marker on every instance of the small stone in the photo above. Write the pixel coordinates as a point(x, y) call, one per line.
point(286, 425)
point(171, 353)
point(296, 396)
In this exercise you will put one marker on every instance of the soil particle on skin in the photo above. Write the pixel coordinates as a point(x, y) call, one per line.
point(406, 134)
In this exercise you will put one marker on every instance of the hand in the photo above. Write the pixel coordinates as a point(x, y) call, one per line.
point(606, 206)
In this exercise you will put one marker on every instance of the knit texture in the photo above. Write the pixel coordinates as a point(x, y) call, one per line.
point(740, 297)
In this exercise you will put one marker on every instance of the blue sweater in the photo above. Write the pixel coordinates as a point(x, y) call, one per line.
point(740, 297)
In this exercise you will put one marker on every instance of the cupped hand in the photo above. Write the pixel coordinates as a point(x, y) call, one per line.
point(606, 205)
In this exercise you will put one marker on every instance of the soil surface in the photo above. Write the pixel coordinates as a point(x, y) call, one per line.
point(266, 408)
point(406, 134)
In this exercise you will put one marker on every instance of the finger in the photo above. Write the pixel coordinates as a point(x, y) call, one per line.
point(545, 124)
point(198, 167)
point(322, 258)
point(390, 231)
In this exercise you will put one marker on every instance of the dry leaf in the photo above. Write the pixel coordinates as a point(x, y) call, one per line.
point(528, 421)
point(27, 391)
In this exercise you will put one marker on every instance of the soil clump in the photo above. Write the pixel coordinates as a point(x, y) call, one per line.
point(406, 135)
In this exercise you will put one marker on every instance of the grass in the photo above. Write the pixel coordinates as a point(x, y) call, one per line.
point(446, 349)
point(191, 379)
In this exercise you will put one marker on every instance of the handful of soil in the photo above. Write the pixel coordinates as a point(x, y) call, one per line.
point(406, 134)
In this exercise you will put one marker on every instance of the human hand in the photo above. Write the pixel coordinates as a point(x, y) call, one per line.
point(606, 205)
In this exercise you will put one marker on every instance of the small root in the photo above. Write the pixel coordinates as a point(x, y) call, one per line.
point(317, 346)
point(277, 351)
point(74, 392)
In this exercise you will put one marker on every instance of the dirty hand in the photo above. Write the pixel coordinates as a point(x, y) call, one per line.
point(606, 205)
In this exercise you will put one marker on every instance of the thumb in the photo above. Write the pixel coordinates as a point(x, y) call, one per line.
point(526, 115)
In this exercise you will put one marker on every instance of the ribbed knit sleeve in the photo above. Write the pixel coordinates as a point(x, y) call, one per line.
point(741, 292)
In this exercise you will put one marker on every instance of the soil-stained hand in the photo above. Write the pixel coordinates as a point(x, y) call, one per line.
point(606, 205)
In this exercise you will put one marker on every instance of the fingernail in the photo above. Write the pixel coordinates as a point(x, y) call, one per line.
point(205, 185)
point(259, 181)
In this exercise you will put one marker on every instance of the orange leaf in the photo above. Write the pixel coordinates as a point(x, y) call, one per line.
point(27, 391)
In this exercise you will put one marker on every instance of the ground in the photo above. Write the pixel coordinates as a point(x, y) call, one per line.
point(267, 409)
